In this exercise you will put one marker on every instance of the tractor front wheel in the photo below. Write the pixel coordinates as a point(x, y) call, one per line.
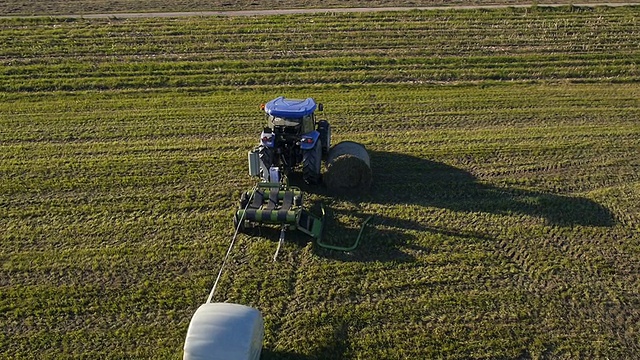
point(311, 163)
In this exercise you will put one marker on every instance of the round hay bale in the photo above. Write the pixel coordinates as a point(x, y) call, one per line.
point(348, 168)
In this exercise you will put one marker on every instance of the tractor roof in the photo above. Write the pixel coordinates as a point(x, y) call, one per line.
point(290, 108)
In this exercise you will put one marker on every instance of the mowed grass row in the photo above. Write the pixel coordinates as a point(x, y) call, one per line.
point(411, 47)
point(506, 212)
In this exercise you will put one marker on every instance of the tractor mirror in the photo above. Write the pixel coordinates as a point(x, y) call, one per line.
point(320, 107)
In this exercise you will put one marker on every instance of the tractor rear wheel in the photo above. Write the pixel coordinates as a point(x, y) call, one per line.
point(311, 163)
point(325, 135)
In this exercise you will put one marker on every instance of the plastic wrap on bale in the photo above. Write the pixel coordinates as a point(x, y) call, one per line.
point(224, 331)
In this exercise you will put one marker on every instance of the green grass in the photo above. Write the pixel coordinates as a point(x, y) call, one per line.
point(411, 47)
point(504, 147)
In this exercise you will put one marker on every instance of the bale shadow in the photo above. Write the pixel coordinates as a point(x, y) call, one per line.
point(335, 349)
point(269, 354)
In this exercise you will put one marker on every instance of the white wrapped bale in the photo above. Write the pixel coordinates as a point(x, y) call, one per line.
point(348, 169)
point(223, 331)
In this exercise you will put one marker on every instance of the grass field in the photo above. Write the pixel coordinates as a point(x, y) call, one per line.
point(505, 150)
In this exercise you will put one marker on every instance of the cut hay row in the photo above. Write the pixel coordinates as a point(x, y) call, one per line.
point(423, 47)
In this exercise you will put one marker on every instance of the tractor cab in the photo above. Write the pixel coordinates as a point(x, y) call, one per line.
point(291, 116)
point(291, 138)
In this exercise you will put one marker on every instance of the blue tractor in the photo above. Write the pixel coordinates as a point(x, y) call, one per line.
point(292, 136)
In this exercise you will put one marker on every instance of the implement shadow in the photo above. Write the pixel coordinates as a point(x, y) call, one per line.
point(382, 238)
point(379, 242)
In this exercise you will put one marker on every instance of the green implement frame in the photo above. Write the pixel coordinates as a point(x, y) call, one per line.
point(275, 203)
point(343, 248)
point(281, 204)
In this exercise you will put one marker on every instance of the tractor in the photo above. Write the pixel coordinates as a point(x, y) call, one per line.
point(292, 137)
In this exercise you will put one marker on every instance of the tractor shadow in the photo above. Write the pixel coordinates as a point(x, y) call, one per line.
point(404, 179)
point(401, 179)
